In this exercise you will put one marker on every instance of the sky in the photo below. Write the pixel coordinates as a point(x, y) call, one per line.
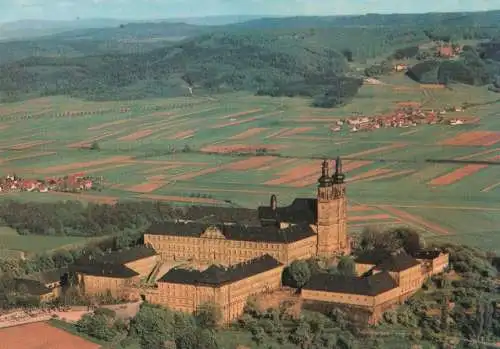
point(12, 10)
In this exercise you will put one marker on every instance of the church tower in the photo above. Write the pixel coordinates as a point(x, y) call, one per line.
point(332, 212)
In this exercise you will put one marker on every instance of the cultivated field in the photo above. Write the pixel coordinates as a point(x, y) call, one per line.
point(237, 149)
point(41, 335)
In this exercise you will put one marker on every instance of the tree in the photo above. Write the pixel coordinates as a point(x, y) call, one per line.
point(298, 273)
point(258, 335)
point(348, 55)
point(97, 326)
point(302, 335)
point(346, 266)
point(152, 326)
point(95, 146)
point(208, 315)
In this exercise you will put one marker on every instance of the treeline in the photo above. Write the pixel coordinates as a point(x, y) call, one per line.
point(265, 64)
point(471, 68)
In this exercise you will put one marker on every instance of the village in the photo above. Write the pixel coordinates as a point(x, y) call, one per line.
point(407, 115)
point(72, 183)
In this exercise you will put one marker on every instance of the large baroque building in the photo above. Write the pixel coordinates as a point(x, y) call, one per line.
point(225, 255)
point(308, 227)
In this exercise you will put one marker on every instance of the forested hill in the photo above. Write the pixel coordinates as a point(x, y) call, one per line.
point(483, 19)
point(264, 64)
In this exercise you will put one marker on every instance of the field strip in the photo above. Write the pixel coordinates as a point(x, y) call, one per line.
point(27, 156)
point(107, 124)
point(249, 133)
point(27, 145)
point(443, 207)
point(377, 150)
point(359, 208)
point(368, 174)
point(163, 162)
point(161, 168)
point(101, 169)
point(79, 165)
point(277, 133)
point(250, 163)
point(277, 163)
point(246, 191)
point(407, 217)
point(457, 175)
point(467, 157)
point(373, 217)
point(243, 113)
point(239, 148)
point(491, 187)
point(367, 224)
point(88, 142)
point(311, 179)
point(387, 175)
point(239, 122)
point(295, 174)
point(473, 138)
point(295, 131)
point(147, 187)
point(183, 135)
point(181, 199)
point(136, 135)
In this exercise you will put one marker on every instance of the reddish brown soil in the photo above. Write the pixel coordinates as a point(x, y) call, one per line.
point(158, 169)
point(239, 148)
point(378, 150)
point(295, 131)
point(41, 335)
point(457, 174)
point(406, 217)
point(147, 187)
point(87, 143)
point(312, 178)
point(373, 217)
point(359, 208)
point(277, 163)
point(368, 174)
point(388, 175)
point(249, 133)
point(250, 163)
point(473, 138)
point(243, 113)
point(79, 165)
point(184, 134)
point(181, 199)
point(107, 124)
point(136, 135)
point(296, 173)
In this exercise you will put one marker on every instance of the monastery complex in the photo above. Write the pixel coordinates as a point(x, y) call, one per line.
point(225, 256)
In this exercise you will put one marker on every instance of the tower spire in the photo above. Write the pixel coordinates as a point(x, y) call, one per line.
point(338, 177)
point(324, 180)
